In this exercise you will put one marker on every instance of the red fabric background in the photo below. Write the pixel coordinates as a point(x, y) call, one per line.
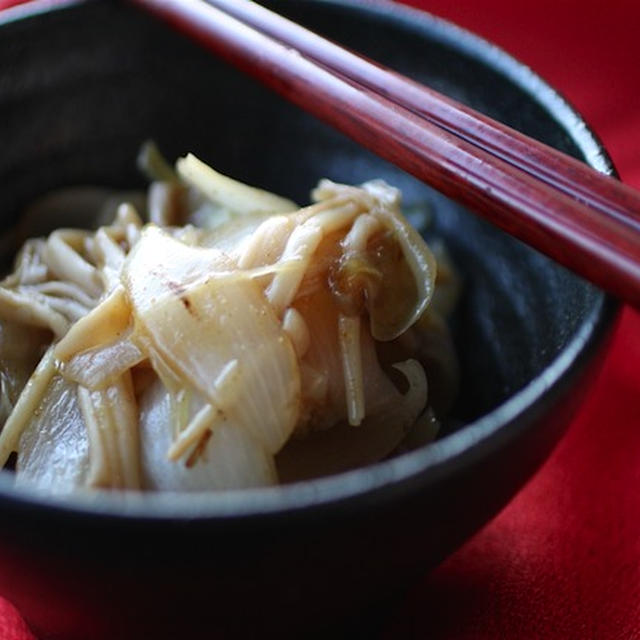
point(562, 561)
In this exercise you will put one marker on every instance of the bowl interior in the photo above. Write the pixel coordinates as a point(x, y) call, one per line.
point(120, 77)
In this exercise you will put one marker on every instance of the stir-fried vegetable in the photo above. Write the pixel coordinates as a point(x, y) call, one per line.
point(259, 345)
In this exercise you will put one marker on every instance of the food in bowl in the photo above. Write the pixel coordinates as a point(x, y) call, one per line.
point(234, 340)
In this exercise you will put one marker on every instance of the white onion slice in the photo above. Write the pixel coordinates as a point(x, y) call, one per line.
point(100, 367)
point(231, 459)
point(54, 449)
point(27, 405)
point(199, 319)
point(235, 197)
point(105, 323)
point(409, 285)
point(111, 419)
point(345, 447)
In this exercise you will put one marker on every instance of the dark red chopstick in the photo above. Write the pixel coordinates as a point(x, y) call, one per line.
point(600, 243)
point(566, 174)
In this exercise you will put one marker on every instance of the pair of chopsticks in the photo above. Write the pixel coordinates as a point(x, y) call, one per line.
point(584, 220)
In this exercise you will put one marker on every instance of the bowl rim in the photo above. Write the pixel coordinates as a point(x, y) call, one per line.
point(339, 494)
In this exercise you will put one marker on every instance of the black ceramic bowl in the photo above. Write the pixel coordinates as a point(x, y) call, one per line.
point(80, 88)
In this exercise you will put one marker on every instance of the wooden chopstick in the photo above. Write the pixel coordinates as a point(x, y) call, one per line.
point(566, 174)
point(599, 240)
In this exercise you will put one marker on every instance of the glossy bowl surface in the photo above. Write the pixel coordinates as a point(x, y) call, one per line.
point(80, 88)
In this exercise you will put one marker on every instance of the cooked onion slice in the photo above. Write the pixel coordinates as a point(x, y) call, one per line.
point(401, 254)
point(230, 458)
point(208, 417)
point(200, 319)
point(231, 196)
point(101, 367)
point(21, 348)
point(53, 454)
point(27, 405)
point(430, 341)
point(111, 418)
point(342, 447)
point(106, 323)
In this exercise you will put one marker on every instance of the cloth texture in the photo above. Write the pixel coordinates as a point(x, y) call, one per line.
point(562, 560)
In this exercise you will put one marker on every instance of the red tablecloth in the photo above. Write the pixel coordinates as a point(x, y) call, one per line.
point(562, 561)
